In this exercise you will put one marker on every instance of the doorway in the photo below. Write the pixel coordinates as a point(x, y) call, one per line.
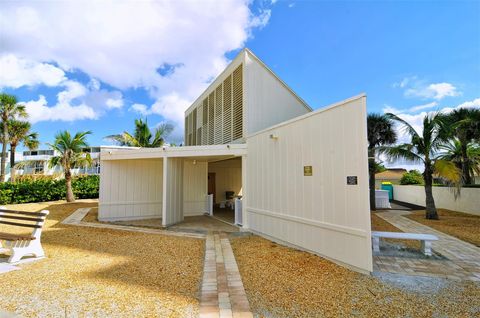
point(225, 183)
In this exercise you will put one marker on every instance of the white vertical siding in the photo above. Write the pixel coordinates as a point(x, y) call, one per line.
point(173, 195)
point(267, 100)
point(320, 213)
point(130, 189)
point(228, 177)
point(194, 187)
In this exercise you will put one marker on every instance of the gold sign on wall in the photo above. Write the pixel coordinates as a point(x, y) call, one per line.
point(307, 171)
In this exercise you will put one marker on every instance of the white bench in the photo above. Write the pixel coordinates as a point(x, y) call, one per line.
point(25, 244)
point(426, 239)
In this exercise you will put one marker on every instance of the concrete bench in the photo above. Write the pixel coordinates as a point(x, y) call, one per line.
point(426, 239)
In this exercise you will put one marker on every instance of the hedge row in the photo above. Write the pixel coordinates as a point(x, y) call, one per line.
point(84, 187)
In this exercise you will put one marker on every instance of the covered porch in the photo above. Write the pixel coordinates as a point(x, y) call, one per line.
point(173, 187)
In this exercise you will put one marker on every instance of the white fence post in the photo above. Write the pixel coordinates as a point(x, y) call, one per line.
point(209, 204)
point(238, 212)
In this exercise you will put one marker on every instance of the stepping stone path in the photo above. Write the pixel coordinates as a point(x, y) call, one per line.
point(463, 258)
point(222, 293)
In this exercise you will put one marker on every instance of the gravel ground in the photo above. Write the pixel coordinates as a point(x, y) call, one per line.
point(284, 282)
point(461, 225)
point(92, 272)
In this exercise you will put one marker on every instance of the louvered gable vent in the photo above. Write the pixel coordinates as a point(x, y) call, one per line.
point(218, 119)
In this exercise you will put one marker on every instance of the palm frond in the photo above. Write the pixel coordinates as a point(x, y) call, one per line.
point(448, 171)
point(54, 161)
point(402, 151)
point(406, 126)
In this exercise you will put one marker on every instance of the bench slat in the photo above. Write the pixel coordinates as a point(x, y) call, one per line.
point(14, 237)
point(35, 226)
point(22, 212)
point(406, 236)
point(23, 218)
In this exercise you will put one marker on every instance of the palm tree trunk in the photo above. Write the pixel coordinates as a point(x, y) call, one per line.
point(465, 171)
point(431, 210)
point(371, 180)
point(12, 163)
point(4, 151)
point(68, 181)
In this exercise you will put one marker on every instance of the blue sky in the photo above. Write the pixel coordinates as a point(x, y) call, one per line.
point(99, 67)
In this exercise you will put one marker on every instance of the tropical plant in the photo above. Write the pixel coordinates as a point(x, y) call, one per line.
point(454, 151)
point(143, 136)
point(9, 109)
point(464, 126)
point(380, 131)
point(70, 150)
point(47, 189)
point(423, 148)
point(412, 177)
point(19, 132)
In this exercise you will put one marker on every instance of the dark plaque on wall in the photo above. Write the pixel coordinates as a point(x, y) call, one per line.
point(352, 180)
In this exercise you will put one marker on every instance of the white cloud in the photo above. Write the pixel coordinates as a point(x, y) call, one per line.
point(75, 102)
point(38, 110)
point(116, 102)
point(436, 91)
point(124, 43)
point(141, 109)
point(470, 104)
point(16, 72)
point(422, 107)
point(415, 87)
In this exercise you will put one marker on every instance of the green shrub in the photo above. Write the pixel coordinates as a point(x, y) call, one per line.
point(412, 177)
point(35, 177)
point(84, 187)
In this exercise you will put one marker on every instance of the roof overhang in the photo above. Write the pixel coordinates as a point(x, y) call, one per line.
point(206, 153)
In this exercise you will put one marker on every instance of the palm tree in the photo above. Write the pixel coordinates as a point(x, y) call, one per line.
point(464, 125)
point(424, 148)
point(70, 150)
point(453, 151)
point(19, 132)
point(9, 109)
point(142, 136)
point(380, 132)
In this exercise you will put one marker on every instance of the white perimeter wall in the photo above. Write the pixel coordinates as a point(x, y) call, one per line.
point(320, 213)
point(267, 100)
point(228, 177)
point(130, 189)
point(194, 187)
point(468, 202)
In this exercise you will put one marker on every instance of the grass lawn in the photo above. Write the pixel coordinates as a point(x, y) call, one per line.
point(461, 225)
point(284, 282)
point(379, 224)
point(92, 272)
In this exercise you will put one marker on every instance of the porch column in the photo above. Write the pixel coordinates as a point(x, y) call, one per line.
point(245, 192)
point(164, 194)
point(172, 204)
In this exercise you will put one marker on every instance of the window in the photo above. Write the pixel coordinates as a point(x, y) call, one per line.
point(38, 167)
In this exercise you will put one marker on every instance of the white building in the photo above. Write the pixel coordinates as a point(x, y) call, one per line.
point(302, 175)
point(38, 162)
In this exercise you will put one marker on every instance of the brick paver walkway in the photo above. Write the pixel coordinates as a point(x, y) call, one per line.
point(222, 293)
point(463, 259)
